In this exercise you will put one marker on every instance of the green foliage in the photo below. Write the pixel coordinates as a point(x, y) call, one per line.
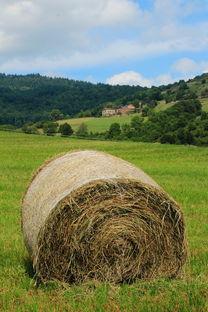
point(65, 129)
point(184, 136)
point(114, 131)
point(126, 131)
point(178, 124)
point(32, 98)
point(87, 113)
point(54, 115)
point(40, 124)
point(168, 138)
point(155, 94)
point(182, 85)
point(29, 128)
point(145, 111)
point(136, 123)
point(7, 127)
point(50, 127)
point(204, 92)
point(82, 130)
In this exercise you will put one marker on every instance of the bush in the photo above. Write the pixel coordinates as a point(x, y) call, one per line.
point(39, 124)
point(168, 138)
point(114, 131)
point(82, 130)
point(65, 129)
point(7, 127)
point(28, 128)
point(50, 127)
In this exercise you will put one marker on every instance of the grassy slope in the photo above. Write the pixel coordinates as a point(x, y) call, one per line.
point(163, 106)
point(96, 124)
point(181, 170)
point(204, 102)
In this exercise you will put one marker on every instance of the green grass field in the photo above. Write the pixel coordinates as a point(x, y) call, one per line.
point(181, 170)
point(97, 124)
point(163, 106)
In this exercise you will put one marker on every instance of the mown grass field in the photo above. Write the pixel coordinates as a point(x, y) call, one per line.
point(180, 170)
point(97, 124)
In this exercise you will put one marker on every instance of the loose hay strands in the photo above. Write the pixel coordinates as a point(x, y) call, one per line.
point(116, 229)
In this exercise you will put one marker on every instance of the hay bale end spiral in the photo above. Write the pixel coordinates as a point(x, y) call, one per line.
point(88, 214)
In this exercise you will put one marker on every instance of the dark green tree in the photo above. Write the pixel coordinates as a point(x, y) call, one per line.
point(29, 128)
point(182, 85)
point(205, 124)
point(65, 129)
point(189, 138)
point(114, 131)
point(126, 131)
point(168, 138)
point(145, 111)
point(55, 114)
point(136, 122)
point(204, 115)
point(50, 127)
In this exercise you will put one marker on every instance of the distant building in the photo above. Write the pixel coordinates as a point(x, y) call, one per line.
point(127, 109)
point(106, 112)
point(124, 110)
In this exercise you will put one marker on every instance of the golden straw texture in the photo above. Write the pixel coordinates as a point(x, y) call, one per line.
point(88, 214)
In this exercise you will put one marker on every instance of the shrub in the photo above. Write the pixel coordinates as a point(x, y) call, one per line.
point(50, 127)
point(168, 138)
point(65, 129)
point(82, 130)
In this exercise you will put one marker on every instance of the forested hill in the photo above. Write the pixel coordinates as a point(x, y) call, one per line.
point(33, 97)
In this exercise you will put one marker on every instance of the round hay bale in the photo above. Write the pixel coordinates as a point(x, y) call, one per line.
point(88, 214)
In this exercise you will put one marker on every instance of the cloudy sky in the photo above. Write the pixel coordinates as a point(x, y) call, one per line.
point(145, 42)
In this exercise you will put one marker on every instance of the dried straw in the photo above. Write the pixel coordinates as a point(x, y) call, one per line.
point(88, 214)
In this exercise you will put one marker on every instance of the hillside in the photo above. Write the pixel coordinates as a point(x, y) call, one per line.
point(162, 97)
point(96, 124)
point(32, 97)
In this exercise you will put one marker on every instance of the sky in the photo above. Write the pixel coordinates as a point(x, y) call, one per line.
point(135, 42)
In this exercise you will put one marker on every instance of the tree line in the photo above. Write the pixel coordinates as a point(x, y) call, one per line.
point(31, 98)
point(183, 123)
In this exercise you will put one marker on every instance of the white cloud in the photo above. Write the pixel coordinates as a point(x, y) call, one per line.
point(131, 78)
point(45, 27)
point(163, 79)
point(46, 36)
point(187, 66)
point(117, 12)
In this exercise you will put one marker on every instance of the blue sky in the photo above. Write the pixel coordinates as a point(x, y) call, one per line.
point(136, 42)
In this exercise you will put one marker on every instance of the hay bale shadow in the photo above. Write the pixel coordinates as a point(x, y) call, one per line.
point(29, 267)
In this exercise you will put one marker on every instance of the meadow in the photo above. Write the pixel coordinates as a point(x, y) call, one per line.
point(181, 170)
point(100, 124)
point(97, 124)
